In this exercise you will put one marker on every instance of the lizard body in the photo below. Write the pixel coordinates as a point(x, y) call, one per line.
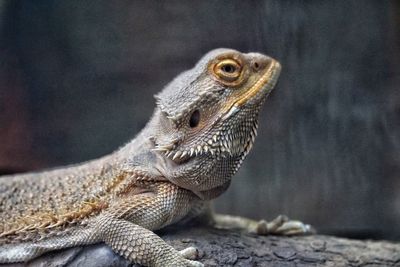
point(203, 127)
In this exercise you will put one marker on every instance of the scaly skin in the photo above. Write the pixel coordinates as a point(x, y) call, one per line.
point(203, 127)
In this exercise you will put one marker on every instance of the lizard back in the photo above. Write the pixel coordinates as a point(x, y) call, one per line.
point(34, 204)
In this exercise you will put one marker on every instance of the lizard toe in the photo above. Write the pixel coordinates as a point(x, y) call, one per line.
point(190, 253)
point(295, 228)
point(195, 264)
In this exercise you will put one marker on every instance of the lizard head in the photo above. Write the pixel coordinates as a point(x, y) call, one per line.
point(206, 118)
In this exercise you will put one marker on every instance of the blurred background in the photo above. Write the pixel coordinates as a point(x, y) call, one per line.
point(77, 80)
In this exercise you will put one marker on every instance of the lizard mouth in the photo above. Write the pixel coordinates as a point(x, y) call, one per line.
point(219, 144)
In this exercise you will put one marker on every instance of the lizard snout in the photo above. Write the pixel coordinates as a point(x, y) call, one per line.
point(261, 62)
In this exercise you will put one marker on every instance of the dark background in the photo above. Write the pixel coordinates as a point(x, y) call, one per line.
point(77, 80)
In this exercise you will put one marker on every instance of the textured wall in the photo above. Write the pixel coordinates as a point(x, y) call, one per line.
point(82, 75)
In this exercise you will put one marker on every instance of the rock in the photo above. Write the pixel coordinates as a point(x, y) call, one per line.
point(220, 247)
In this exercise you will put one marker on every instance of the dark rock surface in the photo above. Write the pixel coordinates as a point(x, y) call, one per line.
point(231, 248)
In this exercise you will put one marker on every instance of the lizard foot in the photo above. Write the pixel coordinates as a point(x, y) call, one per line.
point(190, 253)
point(281, 225)
point(183, 258)
point(195, 264)
point(179, 263)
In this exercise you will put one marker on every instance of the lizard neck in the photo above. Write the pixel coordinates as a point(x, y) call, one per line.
point(206, 175)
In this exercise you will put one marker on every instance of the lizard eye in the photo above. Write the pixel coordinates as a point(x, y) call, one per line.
point(194, 119)
point(228, 70)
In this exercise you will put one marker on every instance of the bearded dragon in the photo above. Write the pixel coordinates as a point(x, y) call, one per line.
point(203, 126)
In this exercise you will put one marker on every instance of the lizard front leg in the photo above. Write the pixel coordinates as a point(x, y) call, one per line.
point(126, 226)
point(142, 246)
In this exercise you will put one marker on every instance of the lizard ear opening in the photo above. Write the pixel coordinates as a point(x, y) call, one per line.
point(194, 119)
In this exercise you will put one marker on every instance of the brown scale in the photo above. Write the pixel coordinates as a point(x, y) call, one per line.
point(39, 223)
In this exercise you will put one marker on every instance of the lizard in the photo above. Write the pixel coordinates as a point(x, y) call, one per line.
point(203, 126)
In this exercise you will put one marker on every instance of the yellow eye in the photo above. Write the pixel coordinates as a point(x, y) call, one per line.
point(228, 70)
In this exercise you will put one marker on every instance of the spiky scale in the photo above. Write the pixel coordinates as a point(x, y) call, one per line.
point(191, 152)
point(184, 154)
point(177, 154)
